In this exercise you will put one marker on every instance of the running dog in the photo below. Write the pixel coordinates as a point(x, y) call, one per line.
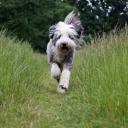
point(65, 38)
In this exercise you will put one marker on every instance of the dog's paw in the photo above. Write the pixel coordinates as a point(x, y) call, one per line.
point(61, 89)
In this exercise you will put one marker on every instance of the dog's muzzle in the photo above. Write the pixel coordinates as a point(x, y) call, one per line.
point(64, 47)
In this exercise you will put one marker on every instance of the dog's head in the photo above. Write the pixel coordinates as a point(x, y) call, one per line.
point(65, 35)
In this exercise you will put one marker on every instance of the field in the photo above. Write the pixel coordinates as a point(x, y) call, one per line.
point(98, 93)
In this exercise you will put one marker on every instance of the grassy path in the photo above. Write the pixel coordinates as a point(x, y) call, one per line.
point(98, 94)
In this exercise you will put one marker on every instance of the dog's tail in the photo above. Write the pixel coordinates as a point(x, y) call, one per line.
point(72, 18)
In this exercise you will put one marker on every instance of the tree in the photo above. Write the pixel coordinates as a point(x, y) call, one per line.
point(100, 16)
point(118, 15)
point(31, 19)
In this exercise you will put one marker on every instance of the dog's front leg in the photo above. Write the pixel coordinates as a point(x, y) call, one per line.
point(64, 79)
point(55, 71)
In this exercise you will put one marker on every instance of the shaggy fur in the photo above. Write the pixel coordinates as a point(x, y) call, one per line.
point(64, 37)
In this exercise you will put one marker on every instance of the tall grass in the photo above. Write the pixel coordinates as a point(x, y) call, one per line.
point(98, 93)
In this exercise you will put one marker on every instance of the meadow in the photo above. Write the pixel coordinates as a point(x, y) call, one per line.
point(97, 96)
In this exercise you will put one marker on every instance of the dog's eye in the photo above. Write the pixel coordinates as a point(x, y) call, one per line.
point(56, 37)
point(76, 36)
point(71, 37)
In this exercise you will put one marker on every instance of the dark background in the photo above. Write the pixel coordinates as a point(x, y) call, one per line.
point(30, 19)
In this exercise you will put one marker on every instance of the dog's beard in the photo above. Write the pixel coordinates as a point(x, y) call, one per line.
point(65, 48)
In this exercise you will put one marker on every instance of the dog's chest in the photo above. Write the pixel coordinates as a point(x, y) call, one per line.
point(58, 57)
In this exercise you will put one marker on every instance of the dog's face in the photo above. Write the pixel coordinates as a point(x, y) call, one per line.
point(65, 35)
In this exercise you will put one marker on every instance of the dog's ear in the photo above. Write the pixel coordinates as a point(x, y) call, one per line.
point(72, 18)
point(52, 31)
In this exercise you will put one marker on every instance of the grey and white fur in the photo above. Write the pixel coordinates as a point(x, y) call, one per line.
point(64, 37)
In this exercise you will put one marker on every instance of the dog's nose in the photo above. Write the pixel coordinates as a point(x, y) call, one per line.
point(64, 44)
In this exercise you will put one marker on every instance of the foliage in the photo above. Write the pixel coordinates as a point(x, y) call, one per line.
point(100, 16)
point(30, 19)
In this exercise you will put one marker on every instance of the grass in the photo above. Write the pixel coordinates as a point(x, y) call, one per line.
point(98, 93)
